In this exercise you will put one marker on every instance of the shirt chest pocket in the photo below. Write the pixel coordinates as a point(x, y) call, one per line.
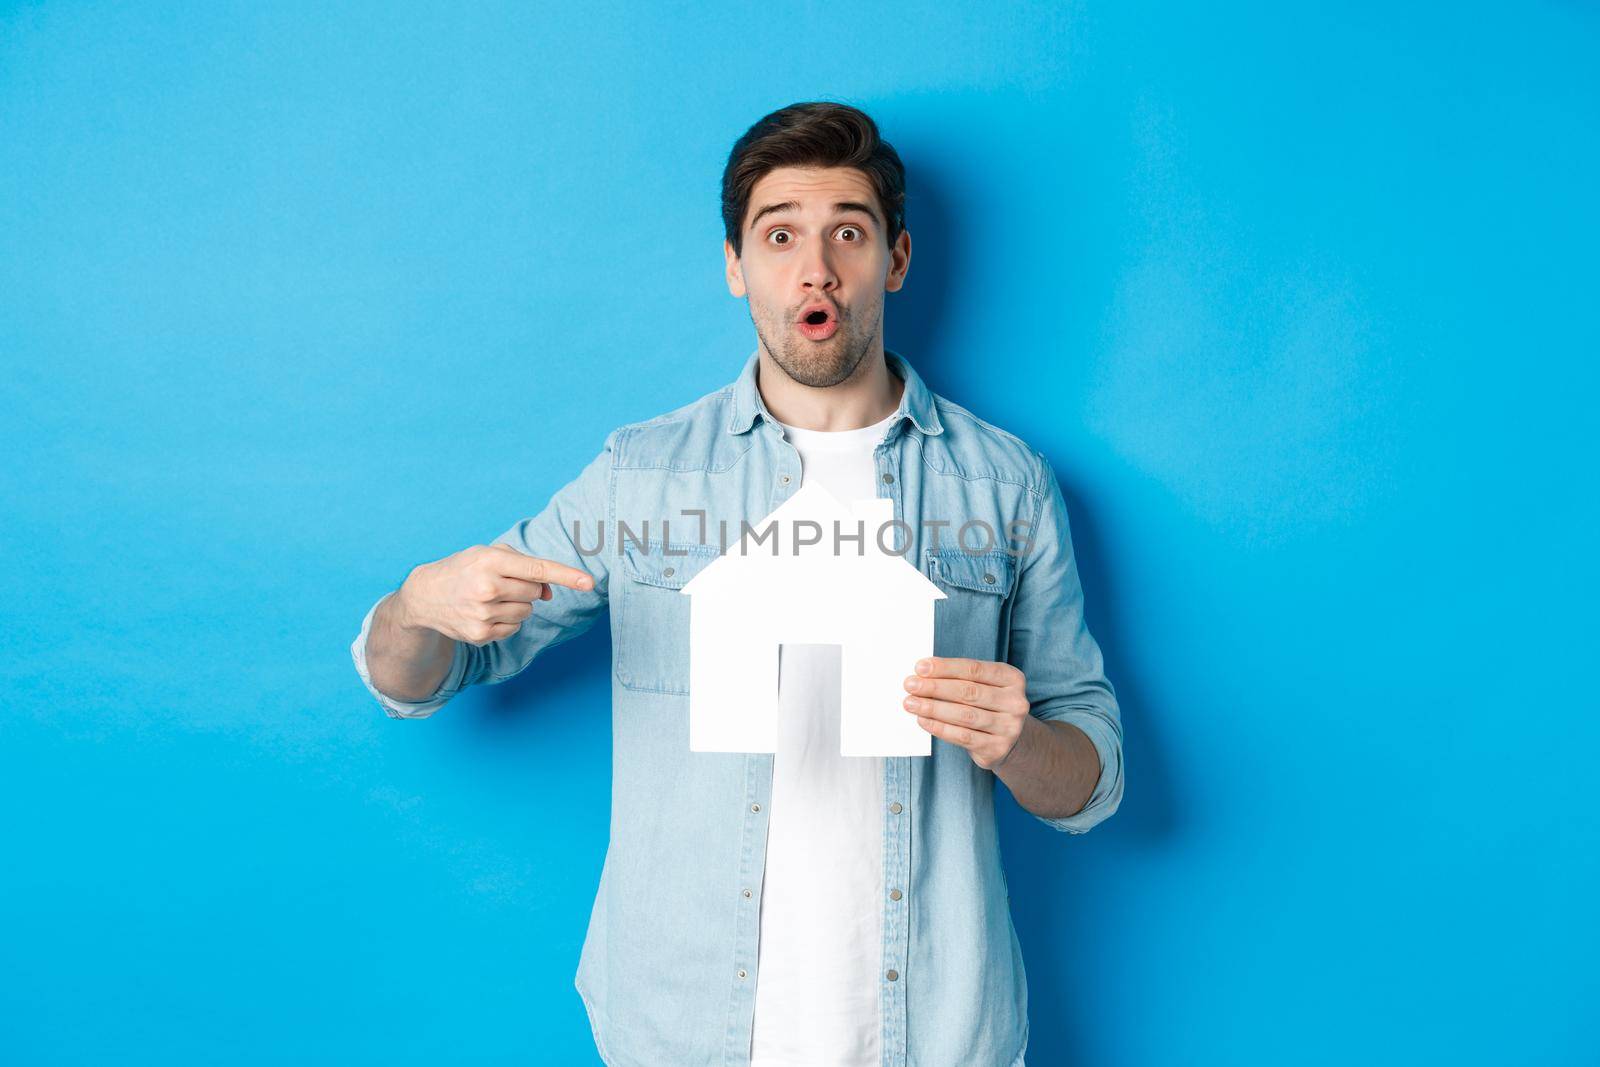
point(970, 621)
point(652, 652)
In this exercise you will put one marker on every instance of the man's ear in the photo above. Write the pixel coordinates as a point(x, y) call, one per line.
point(899, 262)
point(734, 269)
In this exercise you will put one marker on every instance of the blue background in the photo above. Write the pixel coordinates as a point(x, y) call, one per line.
point(1299, 301)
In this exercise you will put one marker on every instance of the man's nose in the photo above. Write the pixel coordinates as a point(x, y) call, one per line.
point(817, 271)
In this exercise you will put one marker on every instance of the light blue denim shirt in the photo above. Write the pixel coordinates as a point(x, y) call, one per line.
point(668, 969)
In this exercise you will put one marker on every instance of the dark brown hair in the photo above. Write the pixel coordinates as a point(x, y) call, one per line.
point(819, 133)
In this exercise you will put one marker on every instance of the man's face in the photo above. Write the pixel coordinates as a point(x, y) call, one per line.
point(827, 250)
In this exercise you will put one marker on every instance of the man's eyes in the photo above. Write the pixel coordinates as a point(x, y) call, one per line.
point(784, 231)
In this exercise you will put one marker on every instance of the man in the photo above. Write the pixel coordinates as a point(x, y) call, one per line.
point(798, 907)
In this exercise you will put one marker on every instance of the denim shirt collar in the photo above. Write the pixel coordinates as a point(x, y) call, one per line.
point(916, 402)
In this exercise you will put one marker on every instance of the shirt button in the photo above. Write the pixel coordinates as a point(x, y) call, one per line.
point(894, 894)
point(784, 480)
point(741, 972)
point(755, 807)
point(887, 477)
point(892, 975)
point(895, 807)
point(989, 578)
point(747, 894)
point(668, 572)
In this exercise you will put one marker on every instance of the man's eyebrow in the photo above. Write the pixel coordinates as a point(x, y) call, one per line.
point(839, 208)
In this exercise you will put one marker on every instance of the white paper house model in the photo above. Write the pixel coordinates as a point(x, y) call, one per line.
point(874, 604)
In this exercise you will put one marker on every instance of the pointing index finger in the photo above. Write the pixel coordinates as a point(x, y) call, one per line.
point(536, 569)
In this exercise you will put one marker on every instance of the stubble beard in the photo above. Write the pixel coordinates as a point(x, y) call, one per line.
point(819, 364)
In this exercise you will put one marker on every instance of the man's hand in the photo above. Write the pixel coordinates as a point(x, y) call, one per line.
point(482, 593)
point(980, 705)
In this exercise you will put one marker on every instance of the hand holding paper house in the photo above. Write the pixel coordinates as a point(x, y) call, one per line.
point(758, 595)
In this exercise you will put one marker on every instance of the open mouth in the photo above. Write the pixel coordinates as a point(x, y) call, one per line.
point(818, 324)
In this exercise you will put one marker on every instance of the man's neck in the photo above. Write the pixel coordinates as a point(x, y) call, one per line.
point(871, 394)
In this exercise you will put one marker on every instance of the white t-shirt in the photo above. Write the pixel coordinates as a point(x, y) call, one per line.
point(820, 954)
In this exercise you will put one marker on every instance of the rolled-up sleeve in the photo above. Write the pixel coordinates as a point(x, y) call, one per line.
point(568, 530)
point(1051, 644)
point(452, 684)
